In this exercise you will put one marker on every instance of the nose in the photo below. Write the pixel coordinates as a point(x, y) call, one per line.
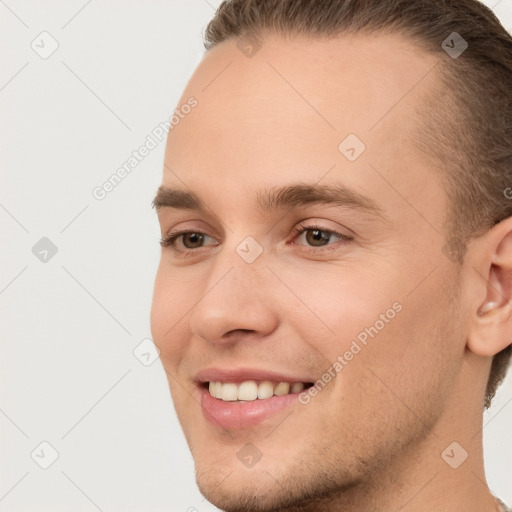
point(236, 302)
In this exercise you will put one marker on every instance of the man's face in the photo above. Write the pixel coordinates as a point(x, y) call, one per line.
point(245, 297)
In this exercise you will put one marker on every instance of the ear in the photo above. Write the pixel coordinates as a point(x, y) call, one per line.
point(491, 319)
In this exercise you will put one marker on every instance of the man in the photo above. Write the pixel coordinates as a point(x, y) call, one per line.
point(333, 301)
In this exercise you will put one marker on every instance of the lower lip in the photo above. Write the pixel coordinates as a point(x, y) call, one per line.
point(238, 415)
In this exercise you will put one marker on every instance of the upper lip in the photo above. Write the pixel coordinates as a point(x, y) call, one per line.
point(236, 375)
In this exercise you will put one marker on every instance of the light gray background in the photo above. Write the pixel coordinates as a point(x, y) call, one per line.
point(68, 374)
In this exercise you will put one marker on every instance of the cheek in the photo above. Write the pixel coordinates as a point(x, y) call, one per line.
point(168, 317)
point(409, 364)
point(386, 336)
point(337, 306)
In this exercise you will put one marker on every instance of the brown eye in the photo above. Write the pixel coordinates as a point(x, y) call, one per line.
point(185, 241)
point(193, 240)
point(318, 237)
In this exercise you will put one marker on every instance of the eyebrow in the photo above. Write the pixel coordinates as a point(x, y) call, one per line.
point(286, 197)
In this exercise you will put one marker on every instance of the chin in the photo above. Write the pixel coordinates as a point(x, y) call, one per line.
point(248, 495)
point(271, 488)
point(237, 496)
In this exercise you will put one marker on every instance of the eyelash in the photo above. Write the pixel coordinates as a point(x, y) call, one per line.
point(169, 239)
point(300, 229)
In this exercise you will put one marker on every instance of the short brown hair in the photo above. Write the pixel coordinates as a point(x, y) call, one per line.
point(466, 122)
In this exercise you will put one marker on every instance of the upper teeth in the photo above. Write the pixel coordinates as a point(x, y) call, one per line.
point(251, 390)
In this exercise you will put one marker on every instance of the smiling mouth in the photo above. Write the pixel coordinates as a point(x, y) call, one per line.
point(251, 390)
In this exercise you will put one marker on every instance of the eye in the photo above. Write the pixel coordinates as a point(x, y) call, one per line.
point(189, 239)
point(317, 236)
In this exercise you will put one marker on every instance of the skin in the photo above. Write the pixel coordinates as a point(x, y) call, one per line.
point(372, 439)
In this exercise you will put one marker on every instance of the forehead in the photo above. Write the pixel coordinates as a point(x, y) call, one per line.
point(285, 113)
point(360, 83)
